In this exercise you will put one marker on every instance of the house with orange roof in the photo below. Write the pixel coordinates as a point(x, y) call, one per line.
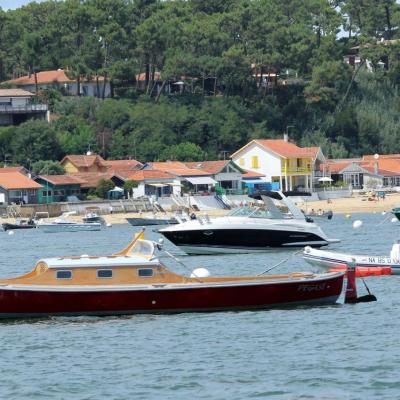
point(58, 188)
point(18, 188)
point(59, 79)
point(155, 183)
point(77, 163)
point(368, 172)
point(17, 106)
point(281, 161)
point(226, 173)
point(195, 180)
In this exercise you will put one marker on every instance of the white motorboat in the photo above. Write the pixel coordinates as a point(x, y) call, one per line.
point(62, 224)
point(329, 259)
point(274, 221)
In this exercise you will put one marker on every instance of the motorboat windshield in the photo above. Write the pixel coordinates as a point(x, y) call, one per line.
point(260, 212)
point(143, 248)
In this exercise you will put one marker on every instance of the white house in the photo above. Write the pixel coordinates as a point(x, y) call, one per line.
point(58, 79)
point(281, 161)
point(17, 106)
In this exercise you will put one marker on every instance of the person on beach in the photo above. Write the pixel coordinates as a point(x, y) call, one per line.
point(110, 209)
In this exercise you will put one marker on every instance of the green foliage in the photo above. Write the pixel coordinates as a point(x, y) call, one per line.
point(185, 151)
point(103, 187)
point(223, 51)
point(130, 184)
point(33, 141)
point(47, 168)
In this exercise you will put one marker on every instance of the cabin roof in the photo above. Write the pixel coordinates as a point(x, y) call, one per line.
point(99, 262)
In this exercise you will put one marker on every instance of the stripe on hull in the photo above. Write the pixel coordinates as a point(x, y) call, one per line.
point(241, 239)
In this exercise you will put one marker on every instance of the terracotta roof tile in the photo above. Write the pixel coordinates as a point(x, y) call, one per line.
point(62, 179)
point(283, 148)
point(7, 170)
point(252, 174)
point(167, 165)
point(91, 179)
point(58, 75)
point(16, 180)
point(150, 174)
point(142, 76)
point(84, 160)
point(15, 93)
point(122, 164)
point(212, 167)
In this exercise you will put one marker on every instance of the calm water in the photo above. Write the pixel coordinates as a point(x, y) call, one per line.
point(333, 352)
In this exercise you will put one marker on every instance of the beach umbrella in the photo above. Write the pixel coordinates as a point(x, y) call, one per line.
point(325, 179)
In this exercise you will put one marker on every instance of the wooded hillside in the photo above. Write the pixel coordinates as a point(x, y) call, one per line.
point(248, 69)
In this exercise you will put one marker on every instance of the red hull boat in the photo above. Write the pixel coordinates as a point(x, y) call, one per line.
point(134, 281)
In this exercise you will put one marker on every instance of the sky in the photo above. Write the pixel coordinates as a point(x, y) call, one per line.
point(11, 4)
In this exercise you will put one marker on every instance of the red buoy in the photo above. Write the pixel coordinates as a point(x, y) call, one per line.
point(351, 288)
point(365, 271)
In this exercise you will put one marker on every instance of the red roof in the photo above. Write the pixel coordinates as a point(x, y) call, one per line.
point(150, 174)
point(16, 180)
point(177, 168)
point(283, 148)
point(122, 164)
point(371, 157)
point(212, 167)
point(84, 160)
point(42, 77)
point(91, 179)
point(252, 174)
point(334, 167)
point(7, 170)
point(62, 179)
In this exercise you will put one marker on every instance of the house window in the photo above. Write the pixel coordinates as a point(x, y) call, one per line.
point(298, 162)
point(32, 192)
point(104, 273)
point(241, 162)
point(64, 274)
point(145, 272)
point(59, 193)
point(16, 194)
point(254, 162)
point(47, 193)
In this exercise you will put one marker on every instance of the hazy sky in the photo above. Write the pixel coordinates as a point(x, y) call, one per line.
point(6, 4)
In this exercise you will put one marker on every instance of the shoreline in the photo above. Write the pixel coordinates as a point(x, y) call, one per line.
point(351, 205)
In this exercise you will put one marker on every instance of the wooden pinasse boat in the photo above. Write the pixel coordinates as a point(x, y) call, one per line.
point(135, 281)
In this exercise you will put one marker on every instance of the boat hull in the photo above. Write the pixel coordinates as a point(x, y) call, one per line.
point(18, 302)
point(329, 259)
point(8, 227)
point(212, 241)
point(52, 228)
point(151, 221)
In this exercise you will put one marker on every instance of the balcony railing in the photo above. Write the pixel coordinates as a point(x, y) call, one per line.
point(296, 170)
point(9, 109)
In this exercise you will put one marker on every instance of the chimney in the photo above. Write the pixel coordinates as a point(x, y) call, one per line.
point(376, 157)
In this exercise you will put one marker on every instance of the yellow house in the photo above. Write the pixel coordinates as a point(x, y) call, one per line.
point(281, 161)
point(83, 163)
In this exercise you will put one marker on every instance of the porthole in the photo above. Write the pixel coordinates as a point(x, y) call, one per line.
point(64, 274)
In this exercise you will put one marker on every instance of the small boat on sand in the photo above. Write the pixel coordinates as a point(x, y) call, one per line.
point(92, 214)
point(20, 223)
point(329, 259)
point(135, 281)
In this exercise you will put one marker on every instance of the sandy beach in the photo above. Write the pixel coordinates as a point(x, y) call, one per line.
point(355, 204)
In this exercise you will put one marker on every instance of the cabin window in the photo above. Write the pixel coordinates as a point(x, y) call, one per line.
point(64, 274)
point(104, 273)
point(145, 272)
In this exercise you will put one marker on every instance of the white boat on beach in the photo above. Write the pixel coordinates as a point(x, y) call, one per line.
point(62, 224)
point(330, 259)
